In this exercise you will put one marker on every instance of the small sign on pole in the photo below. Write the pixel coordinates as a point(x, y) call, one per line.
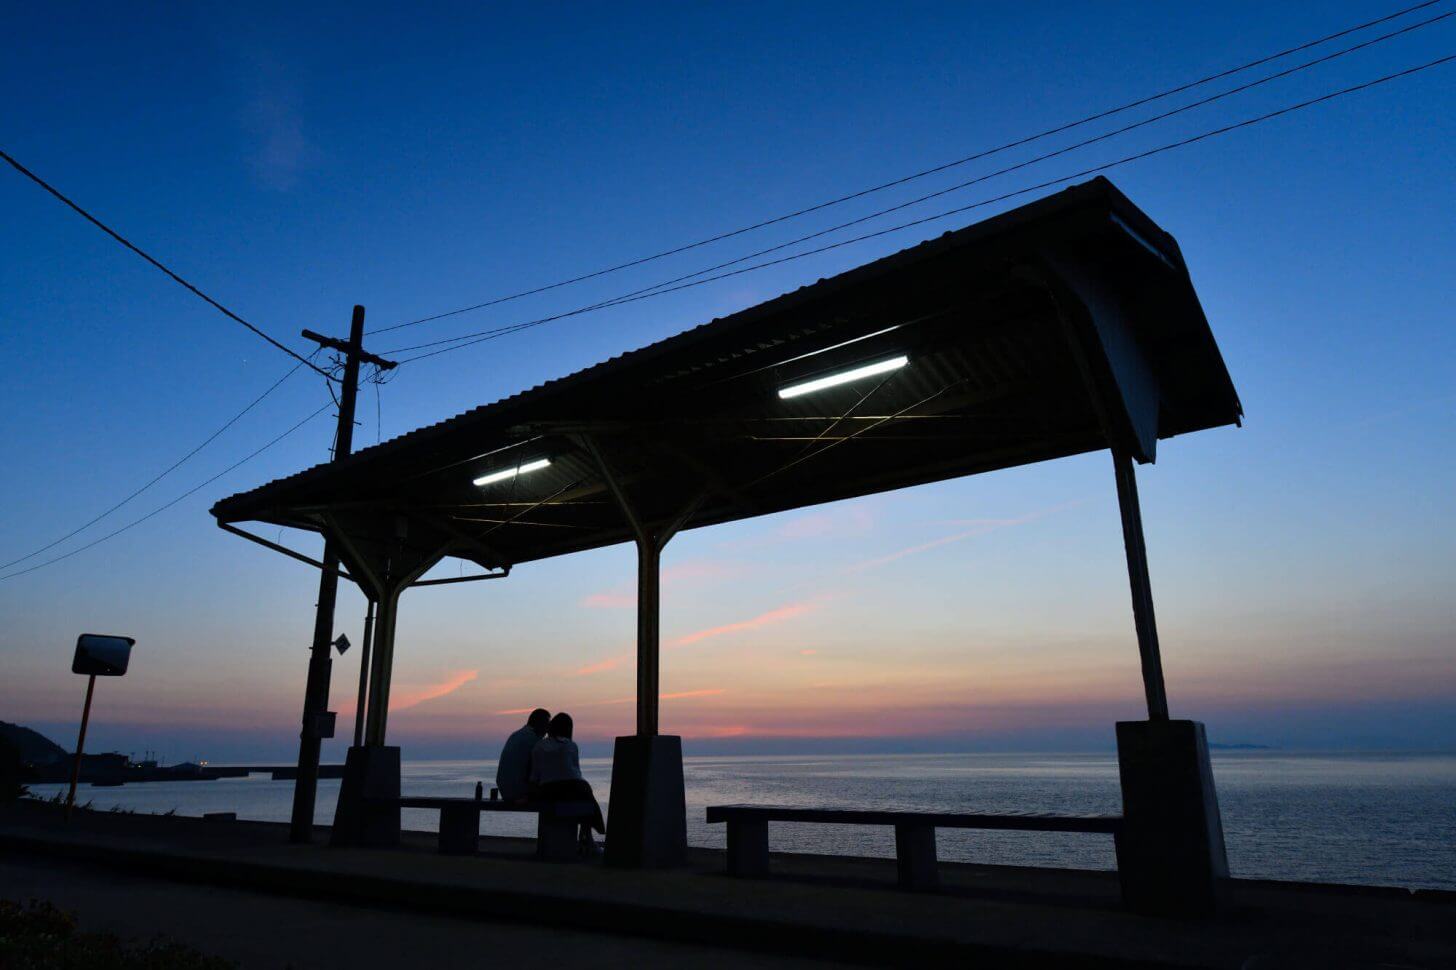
point(97, 655)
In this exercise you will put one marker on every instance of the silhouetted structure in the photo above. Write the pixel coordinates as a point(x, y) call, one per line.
point(1066, 326)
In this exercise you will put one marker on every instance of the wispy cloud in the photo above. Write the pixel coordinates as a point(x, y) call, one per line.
point(273, 116)
point(414, 696)
point(850, 519)
point(779, 614)
point(611, 663)
point(977, 527)
point(679, 695)
point(854, 519)
point(675, 696)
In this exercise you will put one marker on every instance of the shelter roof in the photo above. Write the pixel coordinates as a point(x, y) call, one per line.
point(1064, 326)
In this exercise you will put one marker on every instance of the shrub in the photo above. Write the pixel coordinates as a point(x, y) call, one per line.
point(38, 936)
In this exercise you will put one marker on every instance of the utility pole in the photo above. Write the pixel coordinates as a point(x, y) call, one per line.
point(317, 719)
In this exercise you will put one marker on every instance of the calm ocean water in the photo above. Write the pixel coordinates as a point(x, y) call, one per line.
point(1384, 819)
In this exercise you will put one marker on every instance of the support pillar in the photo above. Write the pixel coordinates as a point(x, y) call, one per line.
point(648, 808)
point(364, 814)
point(1141, 586)
point(381, 667)
point(1170, 853)
point(365, 652)
point(649, 614)
point(371, 770)
point(647, 827)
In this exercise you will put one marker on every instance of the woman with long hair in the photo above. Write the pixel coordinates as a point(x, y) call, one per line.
point(556, 776)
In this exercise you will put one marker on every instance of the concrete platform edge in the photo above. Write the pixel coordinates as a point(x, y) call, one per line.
point(734, 933)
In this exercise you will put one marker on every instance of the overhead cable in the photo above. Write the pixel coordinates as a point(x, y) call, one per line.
point(154, 261)
point(160, 509)
point(466, 340)
point(159, 476)
point(985, 153)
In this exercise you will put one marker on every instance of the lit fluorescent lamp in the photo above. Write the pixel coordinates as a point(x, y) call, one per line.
point(843, 377)
point(508, 473)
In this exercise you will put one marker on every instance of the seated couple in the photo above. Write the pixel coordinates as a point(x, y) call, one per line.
point(540, 763)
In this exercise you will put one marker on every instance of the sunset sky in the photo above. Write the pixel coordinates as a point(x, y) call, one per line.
point(294, 162)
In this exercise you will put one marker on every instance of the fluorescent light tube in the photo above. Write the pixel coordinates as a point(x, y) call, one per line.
point(843, 377)
point(508, 473)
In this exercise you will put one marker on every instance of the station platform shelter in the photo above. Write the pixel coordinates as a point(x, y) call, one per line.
point(1066, 326)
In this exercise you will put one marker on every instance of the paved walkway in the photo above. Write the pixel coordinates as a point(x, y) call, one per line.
point(814, 906)
point(260, 931)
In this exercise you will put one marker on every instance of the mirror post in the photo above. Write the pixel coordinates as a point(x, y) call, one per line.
point(80, 745)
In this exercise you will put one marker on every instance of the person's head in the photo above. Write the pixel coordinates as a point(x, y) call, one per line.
point(539, 720)
point(560, 726)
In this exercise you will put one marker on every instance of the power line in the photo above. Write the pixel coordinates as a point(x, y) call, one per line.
point(990, 175)
point(157, 263)
point(1050, 155)
point(920, 174)
point(481, 336)
point(161, 475)
point(163, 508)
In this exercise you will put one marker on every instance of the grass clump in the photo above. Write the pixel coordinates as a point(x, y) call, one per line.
point(38, 936)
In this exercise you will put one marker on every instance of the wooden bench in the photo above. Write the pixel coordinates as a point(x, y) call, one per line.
point(914, 833)
point(557, 823)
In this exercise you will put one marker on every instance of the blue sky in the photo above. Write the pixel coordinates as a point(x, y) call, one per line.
point(294, 162)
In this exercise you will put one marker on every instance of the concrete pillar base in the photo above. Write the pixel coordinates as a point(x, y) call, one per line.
point(648, 824)
point(1170, 854)
point(370, 772)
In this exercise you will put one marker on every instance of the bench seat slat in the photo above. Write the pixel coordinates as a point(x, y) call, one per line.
point(1028, 822)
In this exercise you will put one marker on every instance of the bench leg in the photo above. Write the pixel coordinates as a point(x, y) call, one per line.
point(459, 830)
point(556, 838)
point(747, 848)
point(915, 856)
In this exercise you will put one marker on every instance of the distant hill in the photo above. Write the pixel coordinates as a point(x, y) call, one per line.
point(34, 747)
point(1238, 746)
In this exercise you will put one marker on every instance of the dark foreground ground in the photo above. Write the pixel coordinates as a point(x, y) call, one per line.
point(237, 889)
point(258, 930)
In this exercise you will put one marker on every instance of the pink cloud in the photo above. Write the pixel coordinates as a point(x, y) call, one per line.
point(611, 663)
point(788, 611)
point(780, 614)
point(706, 692)
point(414, 696)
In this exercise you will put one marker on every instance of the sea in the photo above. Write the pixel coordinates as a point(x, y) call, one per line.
point(1372, 819)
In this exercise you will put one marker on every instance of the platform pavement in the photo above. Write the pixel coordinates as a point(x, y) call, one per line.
point(825, 907)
